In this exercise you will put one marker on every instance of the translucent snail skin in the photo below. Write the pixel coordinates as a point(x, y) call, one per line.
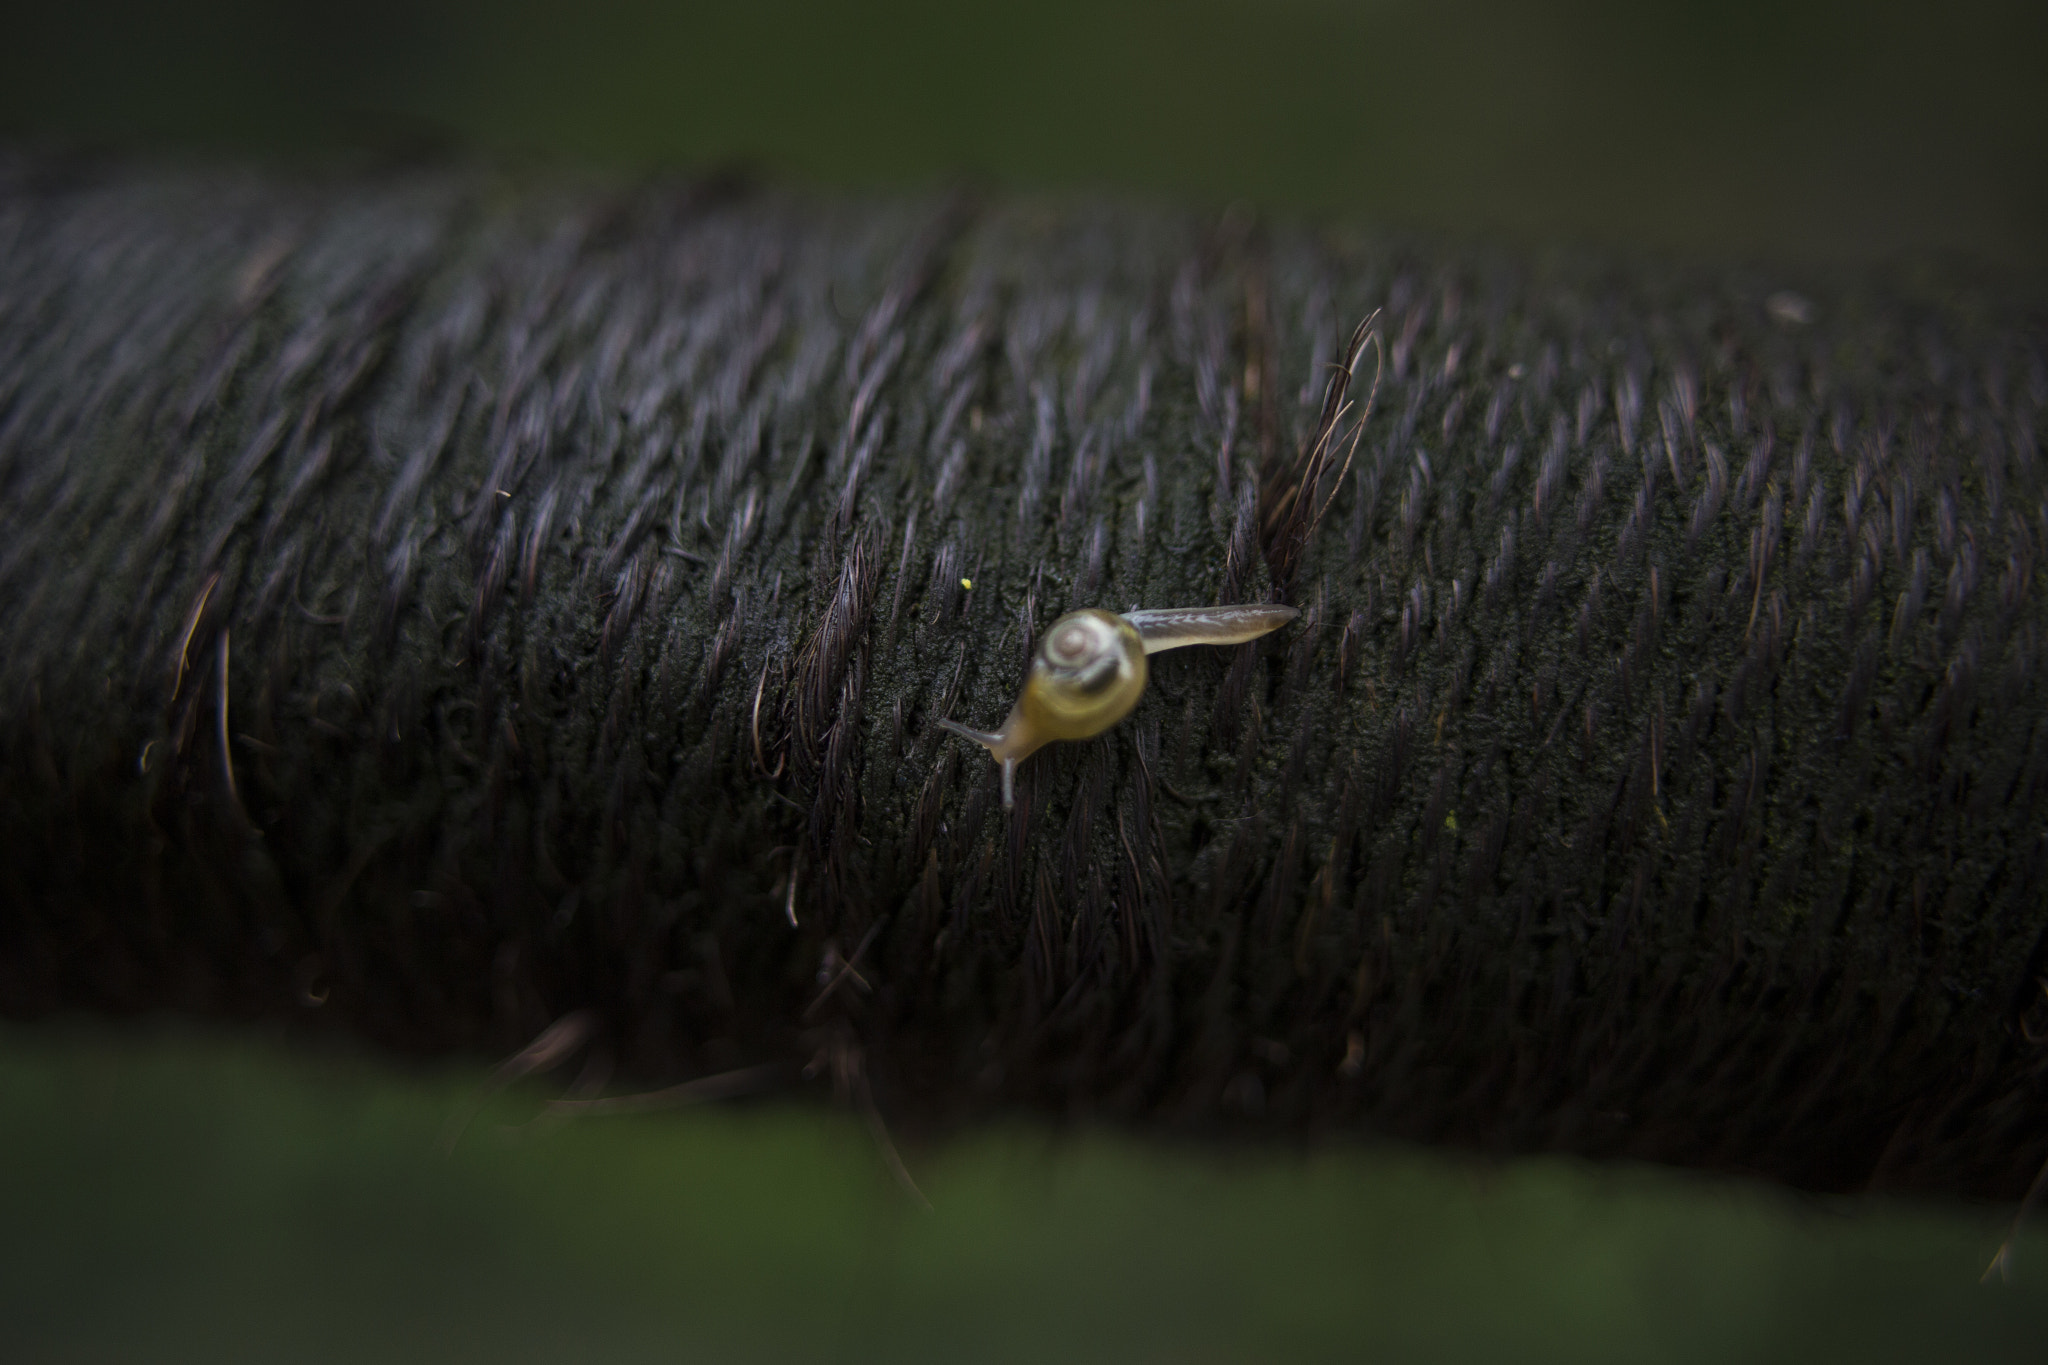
point(1089, 671)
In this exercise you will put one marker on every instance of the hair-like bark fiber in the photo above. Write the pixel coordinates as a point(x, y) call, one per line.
point(454, 603)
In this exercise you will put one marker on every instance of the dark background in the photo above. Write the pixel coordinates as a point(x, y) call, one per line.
point(1829, 128)
point(170, 1194)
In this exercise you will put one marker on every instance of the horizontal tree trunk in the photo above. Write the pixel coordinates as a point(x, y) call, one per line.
point(450, 605)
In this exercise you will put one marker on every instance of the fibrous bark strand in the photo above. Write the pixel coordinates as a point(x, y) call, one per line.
point(454, 606)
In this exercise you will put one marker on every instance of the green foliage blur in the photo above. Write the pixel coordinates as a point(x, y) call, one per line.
point(1811, 128)
point(184, 1196)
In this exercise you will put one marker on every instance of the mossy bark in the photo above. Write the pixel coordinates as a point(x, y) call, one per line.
point(443, 604)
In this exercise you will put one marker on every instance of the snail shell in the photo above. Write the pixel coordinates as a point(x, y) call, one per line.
point(1089, 671)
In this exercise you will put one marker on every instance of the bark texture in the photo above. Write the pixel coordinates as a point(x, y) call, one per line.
point(447, 604)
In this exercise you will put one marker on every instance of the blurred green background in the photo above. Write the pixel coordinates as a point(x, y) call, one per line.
point(184, 1195)
point(173, 1194)
point(1808, 127)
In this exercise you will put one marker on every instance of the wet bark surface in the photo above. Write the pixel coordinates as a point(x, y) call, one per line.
point(446, 604)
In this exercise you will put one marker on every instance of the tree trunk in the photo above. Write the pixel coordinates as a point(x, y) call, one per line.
point(448, 604)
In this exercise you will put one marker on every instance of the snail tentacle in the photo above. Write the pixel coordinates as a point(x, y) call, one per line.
point(988, 739)
point(1088, 671)
point(999, 744)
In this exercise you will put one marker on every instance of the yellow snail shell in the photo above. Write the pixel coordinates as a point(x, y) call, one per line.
point(1089, 671)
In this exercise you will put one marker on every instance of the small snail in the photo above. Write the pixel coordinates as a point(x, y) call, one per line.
point(1089, 671)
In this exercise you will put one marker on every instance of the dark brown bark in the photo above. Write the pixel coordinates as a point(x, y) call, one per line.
point(451, 605)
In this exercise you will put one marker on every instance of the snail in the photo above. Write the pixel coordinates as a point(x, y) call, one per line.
point(1089, 671)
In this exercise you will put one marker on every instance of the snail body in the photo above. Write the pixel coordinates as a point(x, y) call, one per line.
point(1089, 670)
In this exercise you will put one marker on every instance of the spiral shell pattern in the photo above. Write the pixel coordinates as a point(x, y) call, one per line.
point(1086, 652)
point(1086, 676)
point(1089, 671)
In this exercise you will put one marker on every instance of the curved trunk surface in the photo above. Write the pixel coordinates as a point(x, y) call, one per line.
point(451, 606)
